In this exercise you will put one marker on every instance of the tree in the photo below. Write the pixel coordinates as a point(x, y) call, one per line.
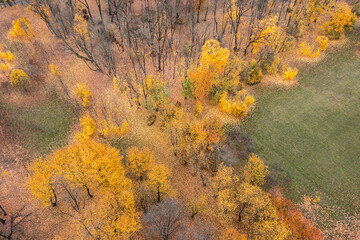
point(165, 219)
point(139, 162)
point(301, 227)
point(213, 56)
point(341, 20)
point(255, 171)
point(201, 81)
point(232, 234)
point(86, 184)
point(159, 181)
point(224, 184)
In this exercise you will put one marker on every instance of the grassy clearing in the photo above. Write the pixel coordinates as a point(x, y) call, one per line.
point(309, 135)
point(42, 127)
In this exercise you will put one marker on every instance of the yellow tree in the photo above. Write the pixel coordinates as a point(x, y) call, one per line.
point(87, 182)
point(255, 171)
point(256, 207)
point(139, 162)
point(159, 181)
point(267, 36)
point(202, 83)
point(342, 19)
point(213, 56)
point(224, 186)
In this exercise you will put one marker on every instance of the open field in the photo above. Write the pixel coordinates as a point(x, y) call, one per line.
point(309, 135)
point(42, 127)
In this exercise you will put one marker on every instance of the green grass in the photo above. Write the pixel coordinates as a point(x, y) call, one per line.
point(43, 127)
point(310, 135)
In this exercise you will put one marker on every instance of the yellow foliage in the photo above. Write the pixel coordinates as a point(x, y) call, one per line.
point(54, 69)
point(213, 56)
point(199, 206)
point(267, 35)
point(224, 184)
point(238, 107)
point(198, 108)
point(21, 29)
point(202, 82)
point(255, 171)
point(323, 42)
point(290, 73)
point(159, 181)
point(308, 50)
point(88, 127)
point(139, 161)
point(6, 58)
point(95, 170)
point(270, 229)
point(81, 27)
point(83, 93)
point(232, 234)
point(342, 19)
point(109, 120)
point(18, 78)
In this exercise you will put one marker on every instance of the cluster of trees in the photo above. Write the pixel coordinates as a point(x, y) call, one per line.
point(149, 35)
point(104, 195)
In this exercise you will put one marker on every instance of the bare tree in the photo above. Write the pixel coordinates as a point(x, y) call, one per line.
point(165, 219)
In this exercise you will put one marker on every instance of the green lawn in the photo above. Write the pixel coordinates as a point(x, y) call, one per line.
point(310, 135)
point(43, 127)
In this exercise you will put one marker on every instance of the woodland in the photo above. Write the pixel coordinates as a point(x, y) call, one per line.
point(179, 119)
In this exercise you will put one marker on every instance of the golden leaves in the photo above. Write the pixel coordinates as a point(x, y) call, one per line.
point(21, 29)
point(83, 93)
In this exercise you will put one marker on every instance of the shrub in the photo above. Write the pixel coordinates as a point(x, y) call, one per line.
point(271, 64)
point(342, 20)
point(239, 106)
point(21, 29)
point(308, 50)
point(290, 73)
point(254, 73)
point(323, 43)
point(18, 78)
point(83, 93)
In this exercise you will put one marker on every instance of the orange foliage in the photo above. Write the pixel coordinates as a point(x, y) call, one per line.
point(232, 234)
point(201, 80)
point(301, 228)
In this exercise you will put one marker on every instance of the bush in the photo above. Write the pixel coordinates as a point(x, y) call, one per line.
point(18, 78)
point(239, 106)
point(83, 93)
point(290, 73)
point(308, 50)
point(323, 43)
point(254, 73)
point(342, 20)
point(270, 65)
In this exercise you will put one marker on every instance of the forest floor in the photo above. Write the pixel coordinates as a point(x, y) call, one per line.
point(309, 134)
